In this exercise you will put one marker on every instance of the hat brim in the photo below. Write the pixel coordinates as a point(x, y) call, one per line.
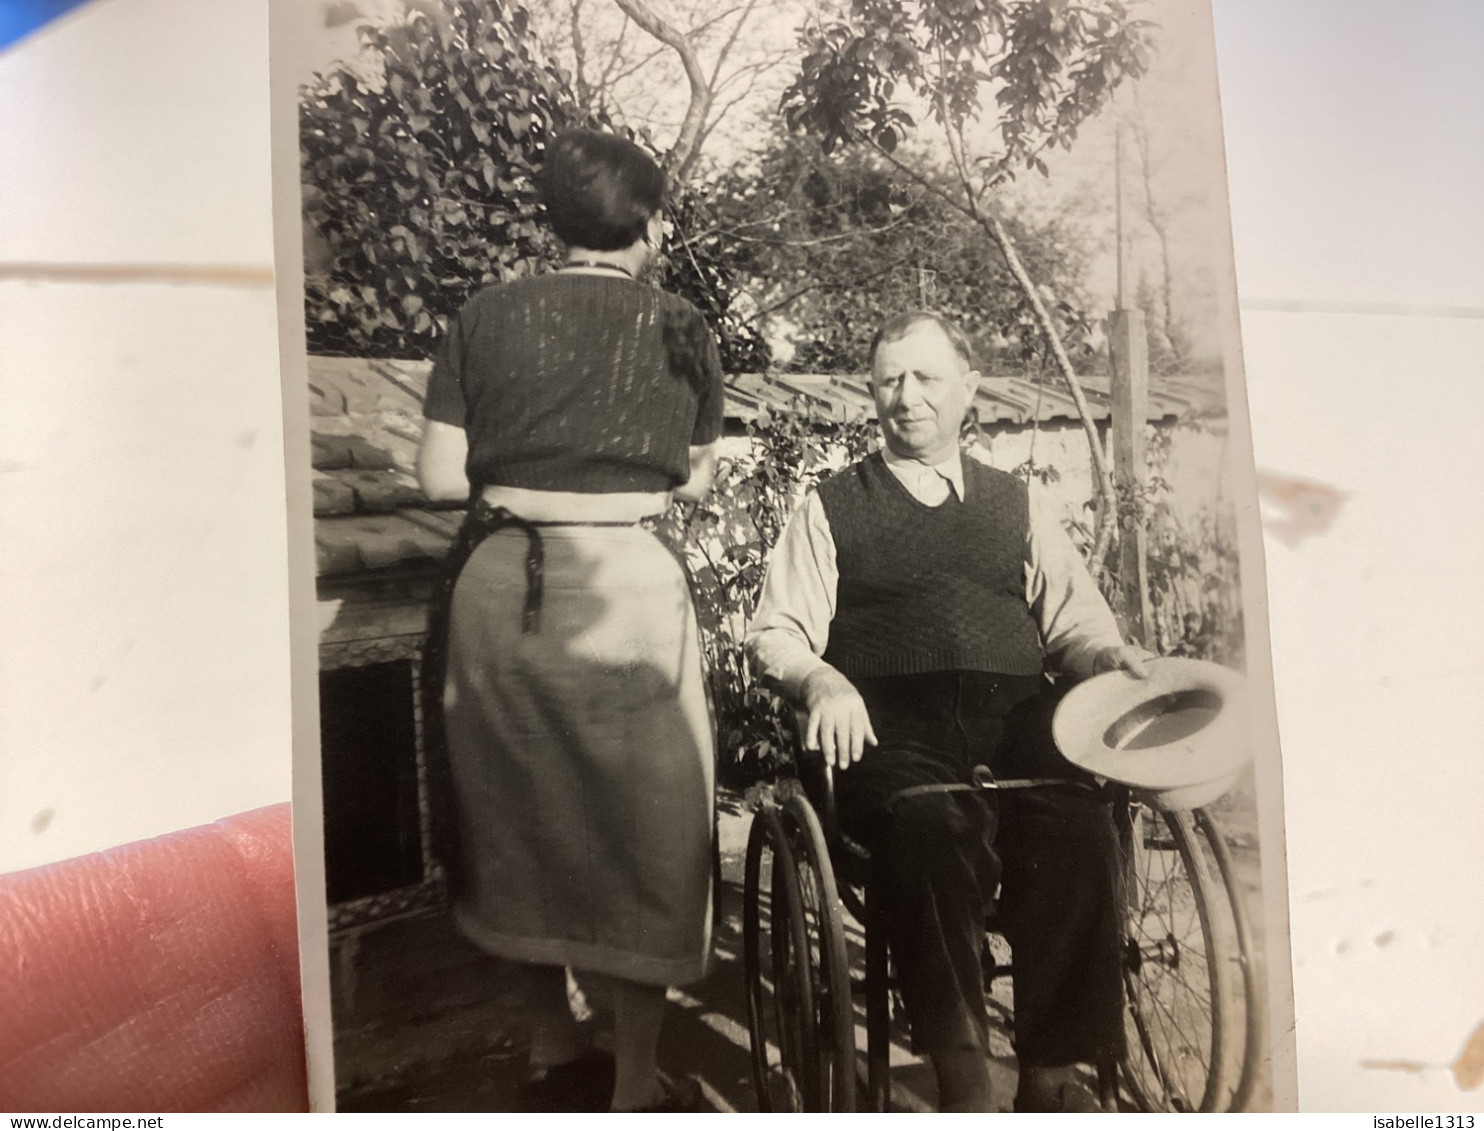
point(1184, 726)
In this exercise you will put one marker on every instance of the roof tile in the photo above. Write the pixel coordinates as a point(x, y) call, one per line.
point(367, 422)
point(332, 497)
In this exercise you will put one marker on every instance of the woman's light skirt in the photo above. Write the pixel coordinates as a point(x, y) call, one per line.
point(582, 757)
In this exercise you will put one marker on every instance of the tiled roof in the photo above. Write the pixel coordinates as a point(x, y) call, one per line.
point(365, 424)
point(1001, 400)
point(366, 421)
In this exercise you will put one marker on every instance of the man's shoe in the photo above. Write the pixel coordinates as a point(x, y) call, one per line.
point(1062, 1089)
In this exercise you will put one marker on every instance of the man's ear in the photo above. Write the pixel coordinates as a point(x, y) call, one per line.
point(971, 378)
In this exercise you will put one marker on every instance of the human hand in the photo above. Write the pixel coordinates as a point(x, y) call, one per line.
point(160, 976)
point(837, 722)
point(1127, 657)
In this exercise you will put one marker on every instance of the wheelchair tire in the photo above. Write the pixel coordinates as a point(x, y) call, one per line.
point(799, 1009)
point(1183, 965)
point(1251, 1003)
point(834, 1007)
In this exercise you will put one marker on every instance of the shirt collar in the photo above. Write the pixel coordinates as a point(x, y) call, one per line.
point(950, 468)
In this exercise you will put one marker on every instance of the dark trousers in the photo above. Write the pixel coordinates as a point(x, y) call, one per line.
point(939, 859)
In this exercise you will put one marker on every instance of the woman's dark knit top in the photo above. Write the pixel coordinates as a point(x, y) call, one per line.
point(574, 382)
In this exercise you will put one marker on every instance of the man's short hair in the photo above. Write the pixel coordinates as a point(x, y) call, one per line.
point(899, 325)
point(599, 189)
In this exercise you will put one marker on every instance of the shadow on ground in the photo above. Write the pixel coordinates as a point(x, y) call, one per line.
point(425, 1022)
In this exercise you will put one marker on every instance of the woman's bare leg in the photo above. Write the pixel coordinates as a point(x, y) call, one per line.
point(638, 1011)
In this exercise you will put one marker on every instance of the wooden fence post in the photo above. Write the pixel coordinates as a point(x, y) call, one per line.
point(1129, 345)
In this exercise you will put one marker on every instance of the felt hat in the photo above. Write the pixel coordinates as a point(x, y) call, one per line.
point(1179, 737)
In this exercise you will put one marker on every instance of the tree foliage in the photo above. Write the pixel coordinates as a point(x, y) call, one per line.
point(824, 249)
point(1046, 66)
point(1041, 68)
point(418, 191)
point(418, 188)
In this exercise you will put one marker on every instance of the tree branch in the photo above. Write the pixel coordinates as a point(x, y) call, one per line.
point(683, 154)
point(1108, 512)
point(995, 229)
point(726, 48)
point(579, 57)
point(823, 283)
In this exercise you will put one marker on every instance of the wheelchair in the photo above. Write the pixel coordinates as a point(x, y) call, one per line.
point(1193, 1018)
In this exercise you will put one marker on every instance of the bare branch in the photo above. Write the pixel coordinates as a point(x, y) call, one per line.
point(818, 284)
point(683, 154)
point(606, 78)
point(579, 56)
point(1108, 514)
point(638, 65)
point(726, 48)
point(936, 190)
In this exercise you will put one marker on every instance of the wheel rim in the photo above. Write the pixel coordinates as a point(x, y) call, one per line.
point(833, 1008)
point(1177, 970)
point(780, 987)
point(1251, 1006)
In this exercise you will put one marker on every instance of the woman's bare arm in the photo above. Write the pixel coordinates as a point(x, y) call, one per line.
point(702, 473)
point(440, 462)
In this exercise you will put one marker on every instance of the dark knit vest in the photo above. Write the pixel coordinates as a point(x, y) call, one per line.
point(926, 589)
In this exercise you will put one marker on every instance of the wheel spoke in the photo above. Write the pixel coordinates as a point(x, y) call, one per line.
point(1174, 974)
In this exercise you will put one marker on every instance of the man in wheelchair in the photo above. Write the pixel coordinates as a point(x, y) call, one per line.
point(912, 608)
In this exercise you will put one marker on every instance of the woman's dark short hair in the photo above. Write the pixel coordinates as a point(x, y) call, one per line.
point(600, 190)
point(898, 325)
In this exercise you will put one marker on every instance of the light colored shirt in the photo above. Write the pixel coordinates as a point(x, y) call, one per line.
point(791, 629)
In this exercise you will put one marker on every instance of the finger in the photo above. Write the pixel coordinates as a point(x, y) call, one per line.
point(811, 731)
point(857, 736)
point(161, 976)
point(870, 732)
point(827, 738)
point(862, 730)
point(842, 743)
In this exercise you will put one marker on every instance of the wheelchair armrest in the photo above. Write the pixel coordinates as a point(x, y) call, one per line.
point(818, 779)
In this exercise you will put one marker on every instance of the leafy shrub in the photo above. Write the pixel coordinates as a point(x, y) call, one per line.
point(418, 191)
point(726, 542)
point(1193, 564)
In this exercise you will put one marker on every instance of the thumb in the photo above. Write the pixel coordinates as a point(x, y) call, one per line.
point(1136, 663)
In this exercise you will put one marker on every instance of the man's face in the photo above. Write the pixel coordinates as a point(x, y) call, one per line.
point(923, 389)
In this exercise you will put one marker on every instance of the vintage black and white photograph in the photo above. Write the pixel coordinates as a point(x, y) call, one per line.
point(787, 583)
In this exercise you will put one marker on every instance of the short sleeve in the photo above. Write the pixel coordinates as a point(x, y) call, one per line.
point(711, 396)
point(445, 400)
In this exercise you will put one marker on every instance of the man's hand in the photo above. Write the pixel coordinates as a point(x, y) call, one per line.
point(1128, 657)
point(838, 723)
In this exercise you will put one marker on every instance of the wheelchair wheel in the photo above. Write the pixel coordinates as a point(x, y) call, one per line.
point(799, 1006)
point(1187, 971)
point(1251, 1000)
